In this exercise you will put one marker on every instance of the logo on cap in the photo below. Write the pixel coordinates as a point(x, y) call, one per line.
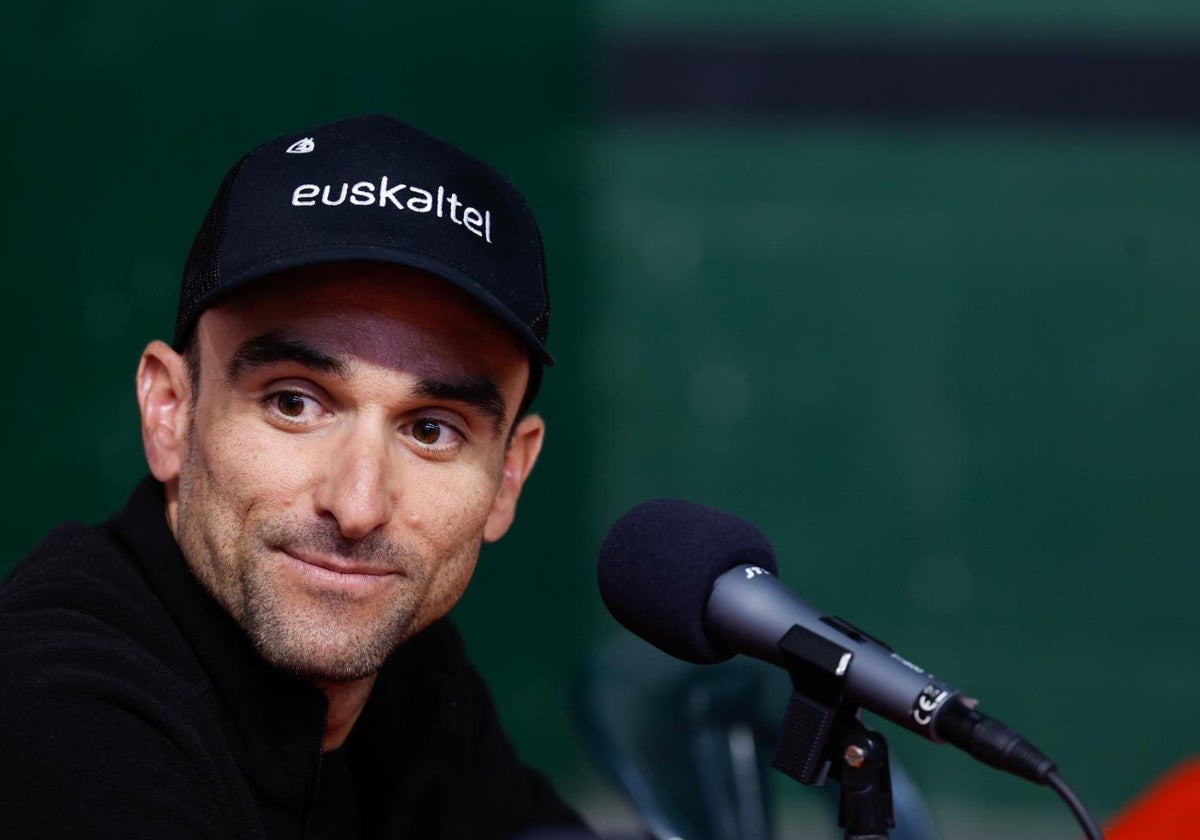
point(301, 147)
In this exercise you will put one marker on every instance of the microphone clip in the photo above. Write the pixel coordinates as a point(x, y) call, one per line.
point(823, 735)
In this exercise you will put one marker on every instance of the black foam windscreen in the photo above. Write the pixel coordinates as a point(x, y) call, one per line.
point(657, 568)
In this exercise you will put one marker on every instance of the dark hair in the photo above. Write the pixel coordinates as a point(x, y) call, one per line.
point(191, 359)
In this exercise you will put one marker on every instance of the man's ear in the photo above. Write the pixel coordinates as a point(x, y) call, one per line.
point(522, 453)
point(164, 394)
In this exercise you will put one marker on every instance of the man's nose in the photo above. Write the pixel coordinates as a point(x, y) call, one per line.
point(357, 487)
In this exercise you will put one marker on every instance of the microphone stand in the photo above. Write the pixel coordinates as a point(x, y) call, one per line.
point(823, 735)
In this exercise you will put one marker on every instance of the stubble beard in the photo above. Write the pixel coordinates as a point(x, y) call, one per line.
point(321, 636)
point(325, 636)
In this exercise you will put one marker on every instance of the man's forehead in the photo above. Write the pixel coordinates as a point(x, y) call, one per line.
point(344, 297)
point(353, 313)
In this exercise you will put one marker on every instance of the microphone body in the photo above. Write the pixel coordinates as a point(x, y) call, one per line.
point(749, 610)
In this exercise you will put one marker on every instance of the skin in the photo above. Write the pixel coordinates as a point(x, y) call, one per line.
point(333, 501)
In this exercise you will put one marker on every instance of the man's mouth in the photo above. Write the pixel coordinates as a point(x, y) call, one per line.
point(335, 571)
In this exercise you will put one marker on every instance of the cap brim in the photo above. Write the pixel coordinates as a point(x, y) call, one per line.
point(374, 253)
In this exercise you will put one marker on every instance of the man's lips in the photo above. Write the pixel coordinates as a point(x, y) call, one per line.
point(336, 570)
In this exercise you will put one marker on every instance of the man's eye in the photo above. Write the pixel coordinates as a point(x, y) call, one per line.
point(435, 434)
point(290, 404)
point(427, 431)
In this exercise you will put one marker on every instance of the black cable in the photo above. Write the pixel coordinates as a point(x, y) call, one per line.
point(1090, 827)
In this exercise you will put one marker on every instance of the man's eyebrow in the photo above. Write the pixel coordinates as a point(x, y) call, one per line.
point(479, 392)
point(273, 347)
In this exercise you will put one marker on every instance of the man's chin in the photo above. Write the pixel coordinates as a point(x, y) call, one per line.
point(327, 669)
point(322, 659)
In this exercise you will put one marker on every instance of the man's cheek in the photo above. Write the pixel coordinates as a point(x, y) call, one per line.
point(451, 513)
point(260, 457)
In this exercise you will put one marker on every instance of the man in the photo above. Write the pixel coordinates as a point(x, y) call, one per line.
point(256, 645)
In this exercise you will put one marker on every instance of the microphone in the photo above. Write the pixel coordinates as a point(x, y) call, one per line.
point(700, 584)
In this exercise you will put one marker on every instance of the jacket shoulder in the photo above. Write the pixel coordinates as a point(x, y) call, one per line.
point(100, 702)
point(81, 588)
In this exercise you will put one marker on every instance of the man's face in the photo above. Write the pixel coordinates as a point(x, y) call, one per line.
point(344, 459)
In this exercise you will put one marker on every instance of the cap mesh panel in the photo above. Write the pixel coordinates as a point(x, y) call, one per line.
point(202, 273)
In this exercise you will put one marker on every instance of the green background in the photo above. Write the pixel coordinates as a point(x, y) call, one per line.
point(950, 369)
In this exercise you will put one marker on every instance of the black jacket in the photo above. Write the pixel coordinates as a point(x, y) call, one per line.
point(132, 706)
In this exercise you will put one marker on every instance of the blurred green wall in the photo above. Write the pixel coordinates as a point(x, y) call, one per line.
point(949, 369)
point(949, 374)
point(947, 363)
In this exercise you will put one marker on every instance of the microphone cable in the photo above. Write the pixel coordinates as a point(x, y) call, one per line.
point(1090, 827)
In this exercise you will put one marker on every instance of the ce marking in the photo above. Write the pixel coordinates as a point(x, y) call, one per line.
point(927, 703)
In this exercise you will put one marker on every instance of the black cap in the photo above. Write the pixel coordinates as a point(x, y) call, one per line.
point(372, 188)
